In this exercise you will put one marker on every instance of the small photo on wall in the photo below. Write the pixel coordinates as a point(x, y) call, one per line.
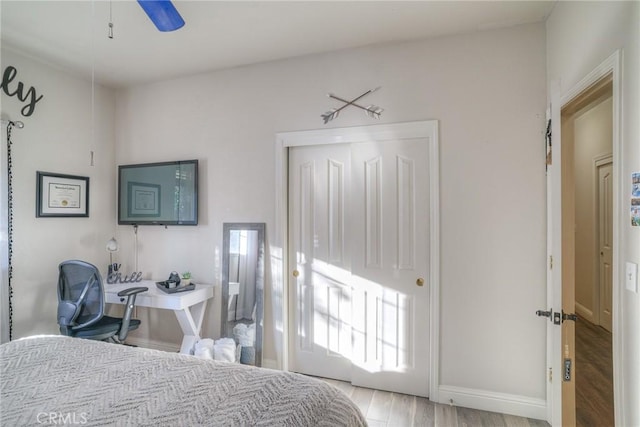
point(635, 199)
point(635, 216)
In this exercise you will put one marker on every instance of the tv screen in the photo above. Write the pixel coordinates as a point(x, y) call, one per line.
point(158, 193)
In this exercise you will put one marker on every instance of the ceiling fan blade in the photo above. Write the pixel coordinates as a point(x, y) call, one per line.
point(163, 14)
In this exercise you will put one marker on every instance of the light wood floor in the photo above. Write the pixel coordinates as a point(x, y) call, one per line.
point(382, 408)
point(594, 375)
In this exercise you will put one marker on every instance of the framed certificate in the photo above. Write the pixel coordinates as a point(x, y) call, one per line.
point(60, 195)
point(145, 200)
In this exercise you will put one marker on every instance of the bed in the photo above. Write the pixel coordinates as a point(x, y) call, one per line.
point(50, 379)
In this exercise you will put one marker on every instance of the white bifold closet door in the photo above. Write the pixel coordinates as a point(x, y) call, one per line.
point(359, 242)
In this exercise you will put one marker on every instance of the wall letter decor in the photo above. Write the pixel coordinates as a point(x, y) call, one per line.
point(30, 96)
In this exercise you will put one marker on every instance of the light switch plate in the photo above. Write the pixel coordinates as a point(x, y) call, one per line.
point(631, 277)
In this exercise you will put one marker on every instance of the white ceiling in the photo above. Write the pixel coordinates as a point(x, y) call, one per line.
point(225, 34)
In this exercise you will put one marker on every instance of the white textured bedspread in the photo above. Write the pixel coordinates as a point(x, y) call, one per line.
point(60, 380)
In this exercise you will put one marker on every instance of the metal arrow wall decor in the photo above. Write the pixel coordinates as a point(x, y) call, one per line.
point(370, 110)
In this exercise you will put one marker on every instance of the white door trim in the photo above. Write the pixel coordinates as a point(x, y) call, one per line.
point(553, 388)
point(613, 65)
point(279, 250)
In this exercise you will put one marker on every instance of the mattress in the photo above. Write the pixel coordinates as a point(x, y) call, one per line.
point(62, 380)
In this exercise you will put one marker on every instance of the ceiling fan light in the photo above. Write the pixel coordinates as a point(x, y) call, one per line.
point(163, 14)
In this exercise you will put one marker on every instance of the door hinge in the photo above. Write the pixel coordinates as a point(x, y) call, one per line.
point(550, 375)
point(550, 262)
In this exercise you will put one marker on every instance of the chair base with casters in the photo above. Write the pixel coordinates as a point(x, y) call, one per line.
point(81, 305)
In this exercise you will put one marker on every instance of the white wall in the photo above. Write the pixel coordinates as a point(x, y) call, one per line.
point(56, 138)
point(580, 36)
point(488, 92)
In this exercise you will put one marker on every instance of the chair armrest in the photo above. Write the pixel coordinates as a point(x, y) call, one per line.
point(67, 313)
point(131, 294)
point(132, 291)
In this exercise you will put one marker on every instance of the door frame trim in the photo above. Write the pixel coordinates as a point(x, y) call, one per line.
point(279, 250)
point(558, 99)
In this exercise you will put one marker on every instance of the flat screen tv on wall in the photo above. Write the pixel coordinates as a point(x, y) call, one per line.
point(158, 193)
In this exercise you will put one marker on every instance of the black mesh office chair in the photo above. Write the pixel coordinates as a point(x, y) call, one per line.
point(81, 304)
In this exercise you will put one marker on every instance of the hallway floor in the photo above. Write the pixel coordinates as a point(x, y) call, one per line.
point(594, 375)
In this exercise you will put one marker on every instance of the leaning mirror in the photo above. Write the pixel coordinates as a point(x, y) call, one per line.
point(243, 288)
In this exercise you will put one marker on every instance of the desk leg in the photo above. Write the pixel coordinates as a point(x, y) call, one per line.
point(190, 320)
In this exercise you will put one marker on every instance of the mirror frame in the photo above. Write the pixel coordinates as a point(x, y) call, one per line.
point(227, 227)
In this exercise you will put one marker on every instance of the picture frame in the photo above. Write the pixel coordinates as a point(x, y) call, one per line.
point(61, 195)
point(144, 199)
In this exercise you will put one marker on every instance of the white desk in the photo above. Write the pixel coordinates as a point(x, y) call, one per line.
point(188, 306)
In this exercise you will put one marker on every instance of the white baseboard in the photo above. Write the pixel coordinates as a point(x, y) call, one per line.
point(520, 406)
point(583, 311)
point(155, 345)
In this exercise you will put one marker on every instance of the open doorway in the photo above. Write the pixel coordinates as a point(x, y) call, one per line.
point(587, 254)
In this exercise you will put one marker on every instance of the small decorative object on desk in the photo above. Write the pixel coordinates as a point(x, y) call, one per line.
point(113, 268)
point(186, 278)
point(116, 277)
point(174, 277)
point(112, 246)
point(172, 288)
point(173, 284)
